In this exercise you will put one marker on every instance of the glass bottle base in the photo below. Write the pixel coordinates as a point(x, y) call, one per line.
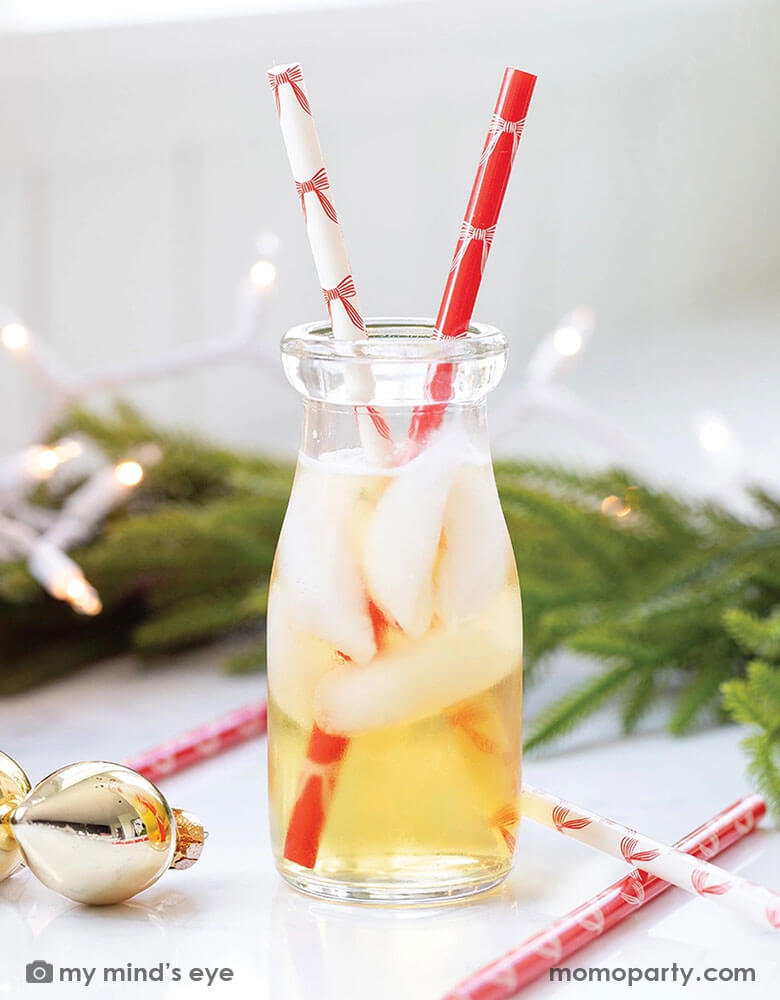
point(428, 881)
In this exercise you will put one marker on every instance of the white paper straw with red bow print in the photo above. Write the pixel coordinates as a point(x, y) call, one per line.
point(694, 875)
point(327, 242)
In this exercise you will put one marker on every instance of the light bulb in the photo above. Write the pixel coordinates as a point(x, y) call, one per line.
point(41, 461)
point(567, 341)
point(262, 274)
point(82, 597)
point(14, 336)
point(76, 589)
point(129, 473)
point(90, 604)
point(713, 435)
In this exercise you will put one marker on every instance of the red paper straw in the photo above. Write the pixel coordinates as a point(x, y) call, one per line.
point(324, 755)
point(476, 234)
point(505, 977)
point(202, 743)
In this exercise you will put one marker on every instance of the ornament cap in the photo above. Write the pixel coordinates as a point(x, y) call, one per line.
point(190, 837)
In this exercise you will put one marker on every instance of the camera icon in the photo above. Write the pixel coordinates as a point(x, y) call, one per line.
point(40, 972)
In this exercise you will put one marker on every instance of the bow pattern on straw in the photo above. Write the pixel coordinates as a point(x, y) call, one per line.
point(294, 76)
point(699, 883)
point(632, 890)
point(469, 234)
point(318, 185)
point(561, 821)
point(380, 424)
point(343, 292)
point(628, 848)
point(500, 126)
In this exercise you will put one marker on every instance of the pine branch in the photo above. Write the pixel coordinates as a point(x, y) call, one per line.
point(577, 705)
point(764, 752)
point(639, 701)
point(699, 695)
point(756, 635)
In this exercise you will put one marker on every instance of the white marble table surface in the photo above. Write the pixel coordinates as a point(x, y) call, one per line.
point(232, 911)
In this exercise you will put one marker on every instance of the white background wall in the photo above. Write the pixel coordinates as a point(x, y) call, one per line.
point(138, 162)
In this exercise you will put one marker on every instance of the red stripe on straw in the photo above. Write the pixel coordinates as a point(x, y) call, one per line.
point(321, 768)
point(323, 759)
point(476, 235)
point(505, 977)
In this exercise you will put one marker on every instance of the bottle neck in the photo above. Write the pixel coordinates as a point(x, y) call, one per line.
point(335, 427)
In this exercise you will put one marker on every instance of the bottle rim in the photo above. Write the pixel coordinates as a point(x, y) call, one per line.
point(393, 339)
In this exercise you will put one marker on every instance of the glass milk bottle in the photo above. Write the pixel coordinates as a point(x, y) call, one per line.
point(394, 625)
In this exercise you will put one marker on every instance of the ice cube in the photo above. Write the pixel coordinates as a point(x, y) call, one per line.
point(319, 564)
point(416, 678)
point(297, 661)
point(402, 538)
point(476, 554)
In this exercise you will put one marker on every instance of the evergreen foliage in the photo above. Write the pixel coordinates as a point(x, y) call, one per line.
point(755, 698)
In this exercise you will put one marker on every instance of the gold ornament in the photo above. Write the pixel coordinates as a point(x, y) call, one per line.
point(94, 831)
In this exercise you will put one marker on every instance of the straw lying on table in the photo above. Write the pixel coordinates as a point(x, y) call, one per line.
point(506, 976)
point(668, 863)
point(202, 743)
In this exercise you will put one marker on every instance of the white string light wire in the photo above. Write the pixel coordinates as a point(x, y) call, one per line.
point(42, 537)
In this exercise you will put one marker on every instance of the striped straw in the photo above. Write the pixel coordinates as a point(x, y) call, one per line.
point(475, 237)
point(326, 238)
point(694, 875)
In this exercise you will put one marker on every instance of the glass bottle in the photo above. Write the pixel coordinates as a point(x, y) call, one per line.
point(394, 624)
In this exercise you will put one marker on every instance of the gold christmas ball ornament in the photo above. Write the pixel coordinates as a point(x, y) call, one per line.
point(94, 831)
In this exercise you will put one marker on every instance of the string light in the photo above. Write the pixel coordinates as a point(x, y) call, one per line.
point(129, 473)
point(568, 341)
point(555, 351)
point(14, 336)
point(59, 574)
point(714, 435)
point(34, 464)
point(611, 506)
point(41, 461)
point(724, 453)
point(65, 388)
point(262, 274)
point(82, 597)
point(43, 538)
point(614, 506)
